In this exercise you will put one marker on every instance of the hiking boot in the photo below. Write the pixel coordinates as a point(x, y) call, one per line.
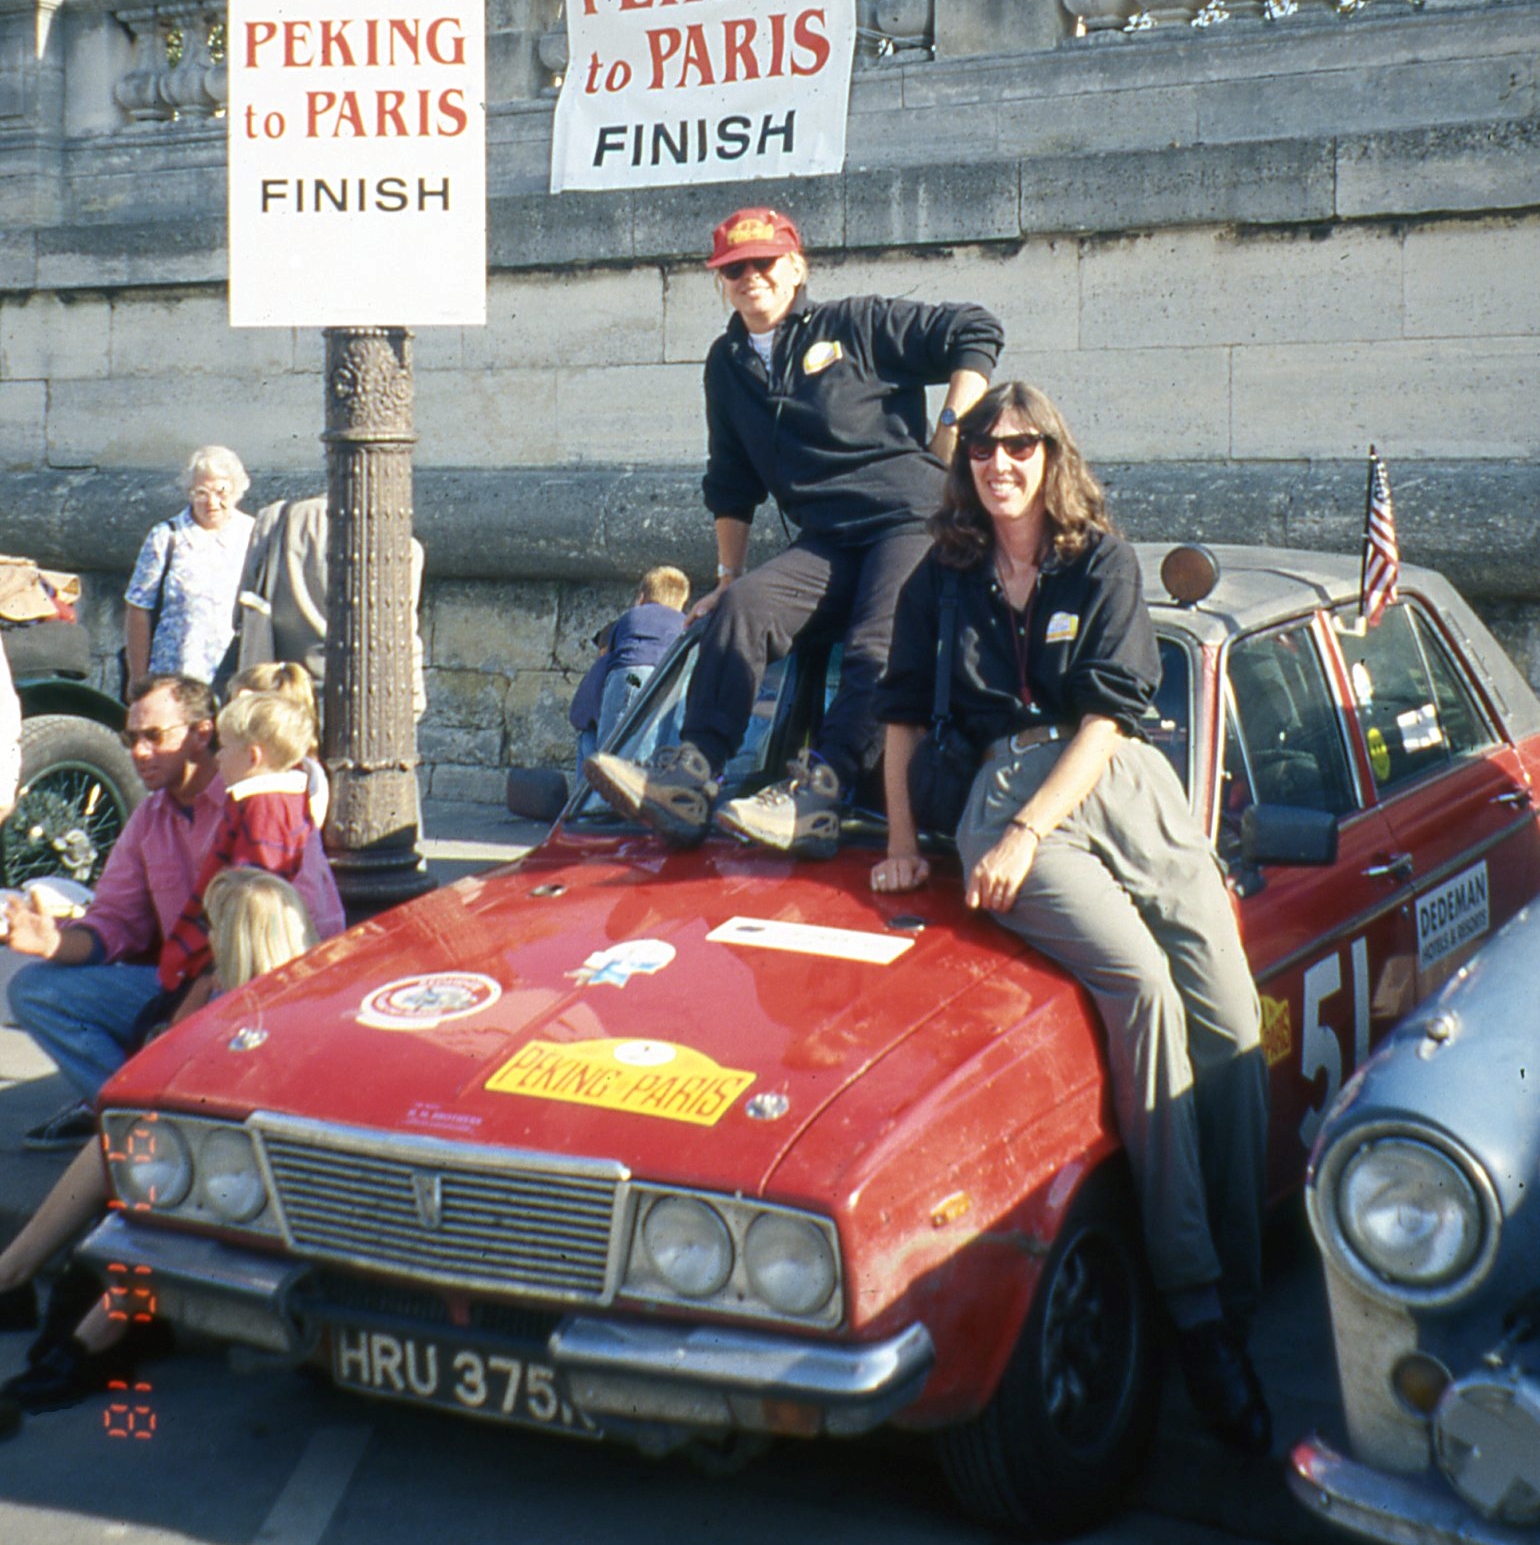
point(800, 816)
point(671, 793)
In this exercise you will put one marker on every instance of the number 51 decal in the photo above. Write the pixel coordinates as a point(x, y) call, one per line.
point(1320, 1049)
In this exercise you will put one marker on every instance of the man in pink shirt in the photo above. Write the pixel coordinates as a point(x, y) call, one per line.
point(82, 998)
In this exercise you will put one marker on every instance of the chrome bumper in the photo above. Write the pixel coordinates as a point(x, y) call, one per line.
point(1398, 1509)
point(620, 1372)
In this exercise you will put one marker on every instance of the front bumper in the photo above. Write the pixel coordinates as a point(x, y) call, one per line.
point(1396, 1509)
point(623, 1373)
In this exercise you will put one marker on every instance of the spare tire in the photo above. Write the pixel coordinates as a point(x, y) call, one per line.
point(78, 789)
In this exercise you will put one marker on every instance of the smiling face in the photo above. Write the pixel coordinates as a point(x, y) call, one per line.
point(1009, 477)
point(763, 298)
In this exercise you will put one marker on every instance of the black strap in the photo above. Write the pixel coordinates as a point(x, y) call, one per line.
point(946, 647)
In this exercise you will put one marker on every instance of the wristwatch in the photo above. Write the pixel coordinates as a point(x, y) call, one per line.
point(946, 419)
point(726, 571)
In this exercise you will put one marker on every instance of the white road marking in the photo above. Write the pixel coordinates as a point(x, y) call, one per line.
point(305, 1506)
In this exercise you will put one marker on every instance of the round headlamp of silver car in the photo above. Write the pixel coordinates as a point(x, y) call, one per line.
point(151, 1165)
point(1409, 1212)
point(789, 1262)
point(228, 1177)
point(689, 1246)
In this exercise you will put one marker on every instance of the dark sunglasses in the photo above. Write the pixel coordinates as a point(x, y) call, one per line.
point(1017, 447)
point(733, 272)
point(154, 738)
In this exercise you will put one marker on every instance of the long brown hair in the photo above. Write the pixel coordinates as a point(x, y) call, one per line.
point(1075, 503)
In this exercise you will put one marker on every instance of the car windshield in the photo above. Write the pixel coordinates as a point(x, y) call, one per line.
point(793, 697)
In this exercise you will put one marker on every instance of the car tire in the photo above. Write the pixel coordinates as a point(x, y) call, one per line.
point(1064, 1437)
point(78, 789)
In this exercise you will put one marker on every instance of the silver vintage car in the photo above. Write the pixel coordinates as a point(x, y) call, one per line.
point(1423, 1196)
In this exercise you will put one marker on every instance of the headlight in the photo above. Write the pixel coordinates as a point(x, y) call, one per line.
point(228, 1177)
point(151, 1165)
point(1409, 1212)
point(789, 1263)
point(689, 1245)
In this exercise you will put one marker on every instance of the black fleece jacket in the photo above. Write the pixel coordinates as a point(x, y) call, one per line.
point(836, 430)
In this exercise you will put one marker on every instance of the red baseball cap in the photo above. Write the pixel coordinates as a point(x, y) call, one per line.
point(753, 233)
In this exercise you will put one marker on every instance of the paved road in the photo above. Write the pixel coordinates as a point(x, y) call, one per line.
point(270, 1457)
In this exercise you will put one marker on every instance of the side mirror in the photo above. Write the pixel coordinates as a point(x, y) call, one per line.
point(1287, 834)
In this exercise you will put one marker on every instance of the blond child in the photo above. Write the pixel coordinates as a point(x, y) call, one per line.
point(266, 821)
point(291, 680)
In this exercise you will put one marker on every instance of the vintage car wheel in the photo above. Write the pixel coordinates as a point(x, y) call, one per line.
point(1066, 1432)
point(78, 789)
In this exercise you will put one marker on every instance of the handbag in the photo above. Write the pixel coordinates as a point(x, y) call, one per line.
point(945, 763)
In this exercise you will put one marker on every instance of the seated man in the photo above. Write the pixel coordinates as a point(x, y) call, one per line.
point(82, 999)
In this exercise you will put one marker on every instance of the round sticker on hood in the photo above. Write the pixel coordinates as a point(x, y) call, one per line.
point(427, 1001)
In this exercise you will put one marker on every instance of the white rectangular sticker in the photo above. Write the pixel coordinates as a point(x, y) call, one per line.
point(877, 949)
point(1452, 915)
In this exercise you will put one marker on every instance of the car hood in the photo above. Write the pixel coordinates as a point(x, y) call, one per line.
point(686, 1014)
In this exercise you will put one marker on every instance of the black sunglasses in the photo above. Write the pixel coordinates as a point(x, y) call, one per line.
point(1017, 447)
point(733, 272)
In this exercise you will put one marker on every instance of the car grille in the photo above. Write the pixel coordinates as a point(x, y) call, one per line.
point(499, 1220)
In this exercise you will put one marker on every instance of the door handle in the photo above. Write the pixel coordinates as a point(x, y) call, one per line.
point(1398, 866)
point(1515, 799)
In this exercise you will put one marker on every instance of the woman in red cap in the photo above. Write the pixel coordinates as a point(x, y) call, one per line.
point(822, 407)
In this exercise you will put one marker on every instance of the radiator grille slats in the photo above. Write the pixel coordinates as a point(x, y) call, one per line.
point(539, 1231)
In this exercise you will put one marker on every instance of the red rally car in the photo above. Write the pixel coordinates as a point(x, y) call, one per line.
point(678, 1146)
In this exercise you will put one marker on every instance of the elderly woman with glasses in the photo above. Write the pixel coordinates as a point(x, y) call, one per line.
point(1077, 836)
point(181, 597)
point(822, 407)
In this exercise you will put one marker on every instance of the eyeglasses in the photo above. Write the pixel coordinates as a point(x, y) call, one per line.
point(733, 272)
point(205, 491)
point(154, 738)
point(1017, 447)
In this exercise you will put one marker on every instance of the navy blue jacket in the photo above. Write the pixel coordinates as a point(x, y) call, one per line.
point(836, 430)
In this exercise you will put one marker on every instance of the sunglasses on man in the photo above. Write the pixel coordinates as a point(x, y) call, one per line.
point(733, 272)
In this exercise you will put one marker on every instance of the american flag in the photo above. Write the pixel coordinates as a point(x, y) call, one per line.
point(1382, 559)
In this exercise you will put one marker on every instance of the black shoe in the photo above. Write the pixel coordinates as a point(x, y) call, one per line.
point(18, 1307)
point(72, 1127)
point(75, 1292)
point(1224, 1387)
point(64, 1376)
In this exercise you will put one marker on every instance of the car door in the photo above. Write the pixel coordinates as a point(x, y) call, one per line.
point(1330, 946)
point(1452, 789)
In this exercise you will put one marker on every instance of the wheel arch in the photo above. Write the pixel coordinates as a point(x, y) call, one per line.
point(57, 695)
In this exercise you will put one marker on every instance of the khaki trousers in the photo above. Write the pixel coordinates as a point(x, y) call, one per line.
point(1127, 895)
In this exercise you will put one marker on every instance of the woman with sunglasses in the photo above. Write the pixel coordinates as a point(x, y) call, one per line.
point(822, 407)
point(1077, 836)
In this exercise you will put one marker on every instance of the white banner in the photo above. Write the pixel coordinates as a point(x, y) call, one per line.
point(659, 92)
point(357, 163)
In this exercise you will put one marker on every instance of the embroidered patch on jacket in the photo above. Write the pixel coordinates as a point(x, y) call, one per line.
point(820, 356)
point(1063, 628)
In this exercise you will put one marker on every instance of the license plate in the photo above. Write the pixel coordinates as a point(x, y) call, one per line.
point(495, 1382)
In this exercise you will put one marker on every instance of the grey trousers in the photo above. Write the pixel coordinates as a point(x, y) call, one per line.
point(1127, 895)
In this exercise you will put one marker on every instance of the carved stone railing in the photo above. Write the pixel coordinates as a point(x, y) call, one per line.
point(177, 72)
point(160, 64)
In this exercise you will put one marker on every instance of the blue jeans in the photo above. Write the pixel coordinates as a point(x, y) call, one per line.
point(83, 1016)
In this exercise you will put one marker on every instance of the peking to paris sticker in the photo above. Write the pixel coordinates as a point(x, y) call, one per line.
point(426, 1001)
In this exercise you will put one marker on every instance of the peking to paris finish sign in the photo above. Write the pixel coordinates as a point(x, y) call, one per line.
point(357, 180)
point(663, 92)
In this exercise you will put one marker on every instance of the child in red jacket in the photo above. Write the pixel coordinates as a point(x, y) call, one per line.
point(266, 822)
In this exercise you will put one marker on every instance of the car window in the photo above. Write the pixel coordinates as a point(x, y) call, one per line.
point(1167, 722)
point(1283, 738)
point(1417, 711)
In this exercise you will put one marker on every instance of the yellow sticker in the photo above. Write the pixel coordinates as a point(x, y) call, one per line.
point(1379, 755)
point(820, 356)
point(646, 1078)
point(1063, 628)
point(1277, 1031)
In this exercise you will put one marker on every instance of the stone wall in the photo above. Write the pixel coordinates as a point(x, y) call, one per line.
point(1236, 255)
